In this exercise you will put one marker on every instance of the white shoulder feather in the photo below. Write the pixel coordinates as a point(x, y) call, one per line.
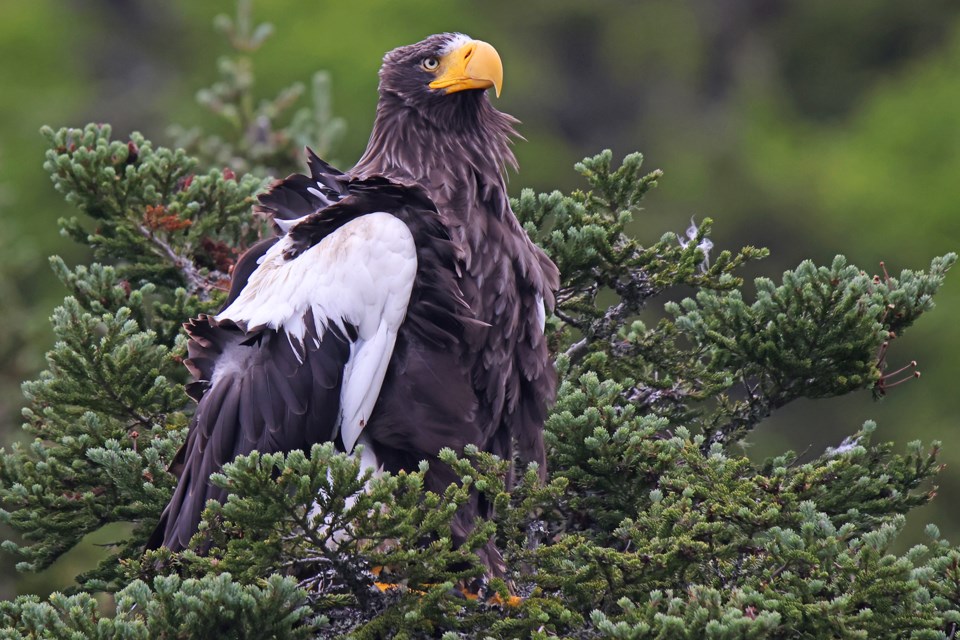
point(362, 275)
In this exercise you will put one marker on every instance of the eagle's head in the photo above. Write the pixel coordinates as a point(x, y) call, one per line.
point(443, 72)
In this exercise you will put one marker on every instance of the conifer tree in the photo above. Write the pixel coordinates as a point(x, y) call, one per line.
point(651, 525)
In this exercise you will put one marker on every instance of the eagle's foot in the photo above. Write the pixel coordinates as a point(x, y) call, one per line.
point(480, 590)
point(384, 587)
point(477, 590)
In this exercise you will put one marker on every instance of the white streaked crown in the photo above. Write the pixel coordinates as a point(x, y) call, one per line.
point(456, 41)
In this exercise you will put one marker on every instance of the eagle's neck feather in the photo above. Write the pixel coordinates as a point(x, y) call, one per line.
point(469, 139)
point(460, 158)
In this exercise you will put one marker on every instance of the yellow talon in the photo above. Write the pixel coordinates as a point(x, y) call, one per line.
point(510, 601)
point(495, 599)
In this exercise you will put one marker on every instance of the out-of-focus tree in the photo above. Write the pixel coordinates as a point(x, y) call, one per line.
point(882, 175)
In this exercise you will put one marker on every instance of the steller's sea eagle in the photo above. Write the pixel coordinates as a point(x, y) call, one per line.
point(402, 307)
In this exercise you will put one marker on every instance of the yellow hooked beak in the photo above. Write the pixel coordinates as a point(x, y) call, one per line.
point(475, 65)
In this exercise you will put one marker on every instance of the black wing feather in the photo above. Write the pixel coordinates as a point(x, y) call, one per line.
point(298, 195)
point(257, 391)
point(266, 399)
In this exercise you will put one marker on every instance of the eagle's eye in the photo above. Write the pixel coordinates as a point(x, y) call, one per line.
point(430, 64)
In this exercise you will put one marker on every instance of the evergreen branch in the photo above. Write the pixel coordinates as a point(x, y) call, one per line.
point(262, 140)
point(197, 284)
point(649, 525)
point(577, 350)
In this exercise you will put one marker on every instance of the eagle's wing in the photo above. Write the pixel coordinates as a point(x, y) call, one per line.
point(297, 357)
point(298, 196)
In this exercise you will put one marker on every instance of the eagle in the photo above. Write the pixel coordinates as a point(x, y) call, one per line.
point(401, 306)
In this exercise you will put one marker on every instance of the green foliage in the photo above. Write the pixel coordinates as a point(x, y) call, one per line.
point(165, 223)
point(254, 141)
point(320, 519)
point(649, 525)
point(585, 235)
point(109, 412)
point(110, 384)
point(652, 524)
point(167, 608)
point(822, 332)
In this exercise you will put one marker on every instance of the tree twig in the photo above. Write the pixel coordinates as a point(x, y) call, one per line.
point(197, 283)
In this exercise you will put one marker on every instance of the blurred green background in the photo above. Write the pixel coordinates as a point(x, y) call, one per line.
point(812, 127)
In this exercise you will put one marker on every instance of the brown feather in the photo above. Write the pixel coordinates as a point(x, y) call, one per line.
point(459, 154)
point(470, 364)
